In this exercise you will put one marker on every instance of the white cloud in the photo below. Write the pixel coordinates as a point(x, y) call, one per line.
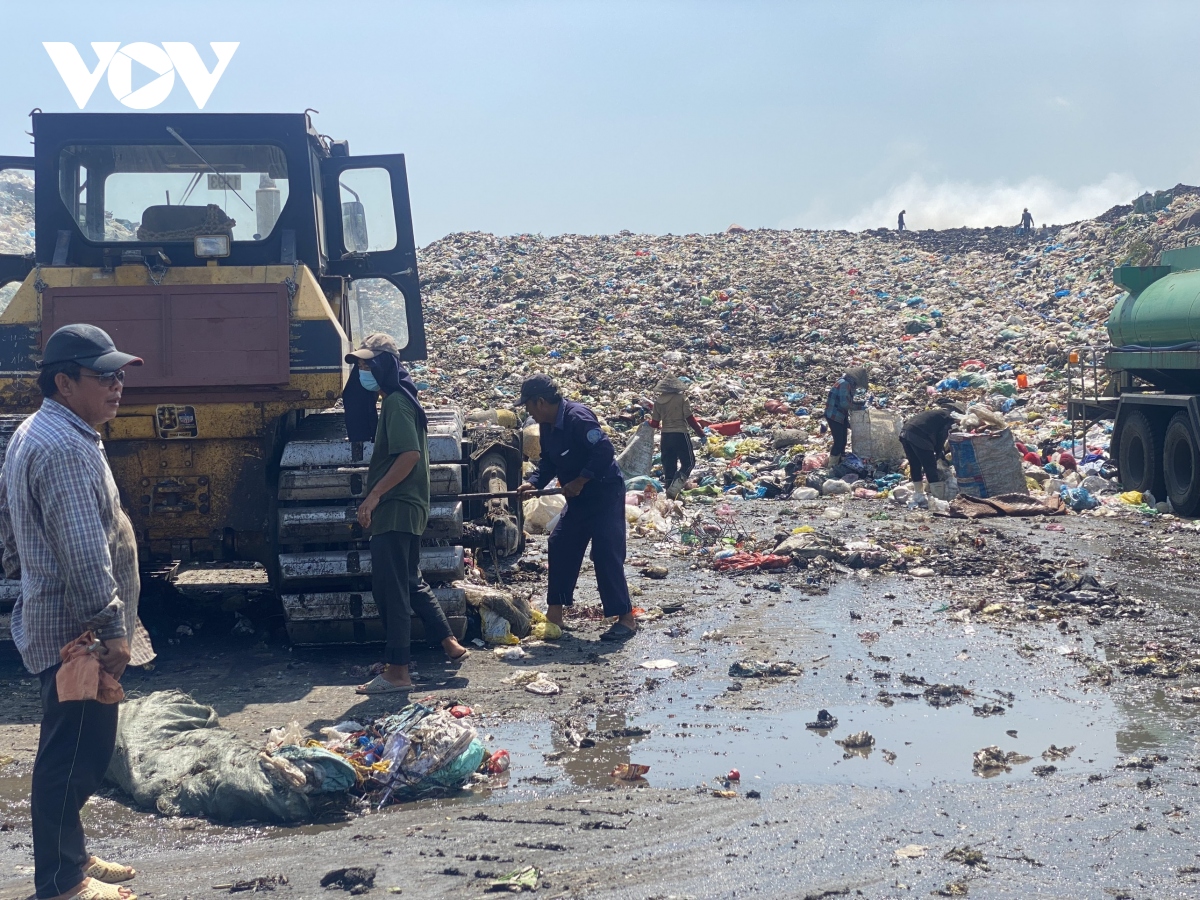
point(952, 204)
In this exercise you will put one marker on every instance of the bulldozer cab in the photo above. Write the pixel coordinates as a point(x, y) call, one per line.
point(169, 191)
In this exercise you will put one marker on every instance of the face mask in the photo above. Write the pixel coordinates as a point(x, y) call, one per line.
point(367, 379)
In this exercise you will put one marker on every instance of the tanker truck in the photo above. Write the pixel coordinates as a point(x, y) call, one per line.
point(1152, 370)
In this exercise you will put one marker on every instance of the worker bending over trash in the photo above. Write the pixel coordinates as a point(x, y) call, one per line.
point(923, 438)
point(578, 453)
point(837, 410)
point(673, 414)
point(396, 510)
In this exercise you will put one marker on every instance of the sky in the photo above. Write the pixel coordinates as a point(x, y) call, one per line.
point(581, 117)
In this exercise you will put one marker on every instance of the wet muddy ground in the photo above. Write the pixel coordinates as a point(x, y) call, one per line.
point(914, 661)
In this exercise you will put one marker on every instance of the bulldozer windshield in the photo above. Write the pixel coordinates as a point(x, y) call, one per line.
point(171, 192)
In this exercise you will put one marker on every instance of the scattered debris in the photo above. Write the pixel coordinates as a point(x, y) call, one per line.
point(1054, 753)
point(541, 684)
point(353, 879)
point(992, 761)
point(824, 722)
point(659, 664)
point(857, 741)
point(968, 856)
point(525, 879)
point(253, 885)
point(629, 771)
point(756, 669)
point(911, 851)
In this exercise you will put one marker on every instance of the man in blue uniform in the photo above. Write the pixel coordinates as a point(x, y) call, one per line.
point(578, 453)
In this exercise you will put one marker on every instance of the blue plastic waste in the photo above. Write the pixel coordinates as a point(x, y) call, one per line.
point(1079, 499)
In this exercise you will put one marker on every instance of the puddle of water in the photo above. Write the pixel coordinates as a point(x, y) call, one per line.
point(699, 730)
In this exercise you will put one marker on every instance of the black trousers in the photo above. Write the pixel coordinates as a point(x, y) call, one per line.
point(677, 456)
point(400, 592)
point(840, 432)
point(597, 516)
point(920, 460)
point(74, 750)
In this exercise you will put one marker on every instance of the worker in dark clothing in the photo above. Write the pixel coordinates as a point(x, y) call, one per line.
point(837, 410)
point(900, 221)
point(923, 438)
point(1026, 221)
point(577, 452)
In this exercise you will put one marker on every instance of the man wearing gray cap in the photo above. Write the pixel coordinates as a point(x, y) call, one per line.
point(74, 549)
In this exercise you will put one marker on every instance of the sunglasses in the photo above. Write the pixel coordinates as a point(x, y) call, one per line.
point(107, 379)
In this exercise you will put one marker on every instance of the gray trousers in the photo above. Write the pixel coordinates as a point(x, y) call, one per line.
point(400, 593)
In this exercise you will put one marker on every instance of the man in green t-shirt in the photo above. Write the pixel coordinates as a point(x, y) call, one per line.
point(396, 510)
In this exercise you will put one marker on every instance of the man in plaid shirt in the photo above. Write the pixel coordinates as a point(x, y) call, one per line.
point(74, 549)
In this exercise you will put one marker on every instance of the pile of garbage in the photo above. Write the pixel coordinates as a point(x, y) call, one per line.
point(172, 756)
point(760, 324)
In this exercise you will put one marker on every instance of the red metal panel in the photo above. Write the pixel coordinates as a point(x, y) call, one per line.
point(189, 335)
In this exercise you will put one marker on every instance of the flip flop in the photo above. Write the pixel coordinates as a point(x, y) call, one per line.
point(109, 872)
point(618, 632)
point(462, 657)
point(98, 890)
point(380, 685)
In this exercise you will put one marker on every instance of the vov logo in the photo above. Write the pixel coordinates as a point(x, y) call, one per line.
point(117, 59)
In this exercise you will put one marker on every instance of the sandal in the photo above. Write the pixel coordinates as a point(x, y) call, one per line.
point(99, 890)
point(618, 632)
point(462, 657)
point(380, 685)
point(108, 872)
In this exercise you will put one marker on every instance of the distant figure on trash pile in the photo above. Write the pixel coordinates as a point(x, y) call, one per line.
point(396, 509)
point(74, 549)
point(673, 414)
point(900, 220)
point(923, 438)
point(837, 410)
point(579, 454)
point(1026, 221)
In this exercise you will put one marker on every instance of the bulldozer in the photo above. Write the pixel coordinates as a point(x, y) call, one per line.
point(239, 255)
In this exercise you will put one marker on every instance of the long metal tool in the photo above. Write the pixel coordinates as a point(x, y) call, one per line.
point(509, 495)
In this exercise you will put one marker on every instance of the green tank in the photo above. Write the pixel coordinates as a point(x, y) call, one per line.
point(1162, 305)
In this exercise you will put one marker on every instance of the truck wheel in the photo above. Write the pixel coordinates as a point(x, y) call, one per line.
point(1181, 457)
point(1140, 461)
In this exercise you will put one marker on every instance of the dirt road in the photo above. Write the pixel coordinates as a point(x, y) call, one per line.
point(980, 643)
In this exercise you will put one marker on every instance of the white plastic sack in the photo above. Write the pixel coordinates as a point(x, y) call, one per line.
point(875, 435)
point(805, 493)
point(531, 442)
point(638, 455)
point(541, 511)
point(835, 486)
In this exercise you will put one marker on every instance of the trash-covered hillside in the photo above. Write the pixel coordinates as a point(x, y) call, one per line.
point(754, 316)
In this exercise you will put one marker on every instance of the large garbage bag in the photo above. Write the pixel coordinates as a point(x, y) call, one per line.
point(638, 455)
point(875, 435)
point(173, 756)
point(987, 464)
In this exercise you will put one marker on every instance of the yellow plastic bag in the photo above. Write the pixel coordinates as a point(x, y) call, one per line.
point(1134, 497)
point(543, 629)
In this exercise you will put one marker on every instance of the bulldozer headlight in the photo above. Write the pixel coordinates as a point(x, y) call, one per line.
point(210, 246)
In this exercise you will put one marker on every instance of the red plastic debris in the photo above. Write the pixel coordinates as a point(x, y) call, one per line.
point(460, 712)
point(498, 762)
point(743, 561)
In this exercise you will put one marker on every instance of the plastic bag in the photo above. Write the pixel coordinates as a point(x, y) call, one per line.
point(496, 629)
point(638, 455)
point(875, 435)
point(541, 511)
